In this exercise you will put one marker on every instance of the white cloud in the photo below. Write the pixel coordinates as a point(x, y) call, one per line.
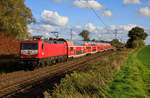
point(131, 2)
point(121, 28)
point(88, 4)
point(59, 1)
point(42, 29)
point(89, 27)
point(50, 21)
point(122, 31)
point(53, 18)
point(74, 32)
point(78, 27)
point(107, 13)
point(39, 28)
point(106, 33)
point(148, 3)
point(144, 11)
point(147, 41)
point(47, 34)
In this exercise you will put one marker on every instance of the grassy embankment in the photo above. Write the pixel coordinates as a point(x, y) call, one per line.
point(133, 80)
point(92, 81)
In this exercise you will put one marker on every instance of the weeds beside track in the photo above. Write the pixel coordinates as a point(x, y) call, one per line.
point(92, 81)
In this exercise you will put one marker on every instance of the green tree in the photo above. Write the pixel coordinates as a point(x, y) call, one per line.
point(85, 35)
point(14, 18)
point(136, 36)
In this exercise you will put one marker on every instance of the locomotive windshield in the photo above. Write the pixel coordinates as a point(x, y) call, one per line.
point(29, 46)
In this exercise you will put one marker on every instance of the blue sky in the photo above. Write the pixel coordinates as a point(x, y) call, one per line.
point(61, 15)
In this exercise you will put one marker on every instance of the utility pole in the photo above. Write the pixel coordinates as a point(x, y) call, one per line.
point(102, 36)
point(71, 34)
point(116, 33)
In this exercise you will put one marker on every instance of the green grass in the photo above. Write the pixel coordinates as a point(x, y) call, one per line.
point(92, 81)
point(133, 80)
point(144, 56)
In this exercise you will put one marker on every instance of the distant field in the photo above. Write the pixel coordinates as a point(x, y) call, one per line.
point(144, 55)
point(133, 80)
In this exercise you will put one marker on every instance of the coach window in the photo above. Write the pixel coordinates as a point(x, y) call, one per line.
point(71, 48)
point(86, 47)
point(42, 46)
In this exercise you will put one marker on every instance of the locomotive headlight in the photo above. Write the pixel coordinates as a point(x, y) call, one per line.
point(34, 52)
point(23, 52)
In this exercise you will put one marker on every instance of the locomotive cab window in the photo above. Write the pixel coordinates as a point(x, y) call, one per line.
point(42, 46)
point(29, 46)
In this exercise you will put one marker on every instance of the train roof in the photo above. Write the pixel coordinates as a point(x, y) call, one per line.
point(82, 43)
point(70, 42)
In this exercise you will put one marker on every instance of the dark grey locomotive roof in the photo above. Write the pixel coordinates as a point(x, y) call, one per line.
point(55, 41)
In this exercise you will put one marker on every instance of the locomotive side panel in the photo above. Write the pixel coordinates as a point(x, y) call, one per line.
point(51, 50)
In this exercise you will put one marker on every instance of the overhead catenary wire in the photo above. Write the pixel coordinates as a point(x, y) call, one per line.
point(116, 31)
point(98, 16)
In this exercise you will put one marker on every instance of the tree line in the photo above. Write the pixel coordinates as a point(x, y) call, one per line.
point(14, 18)
point(136, 35)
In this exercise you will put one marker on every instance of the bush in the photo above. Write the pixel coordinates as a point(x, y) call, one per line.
point(136, 36)
point(135, 43)
point(116, 43)
point(8, 45)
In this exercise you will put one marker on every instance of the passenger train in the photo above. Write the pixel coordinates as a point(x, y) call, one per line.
point(44, 52)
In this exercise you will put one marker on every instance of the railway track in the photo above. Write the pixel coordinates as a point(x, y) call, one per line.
point(26, 80)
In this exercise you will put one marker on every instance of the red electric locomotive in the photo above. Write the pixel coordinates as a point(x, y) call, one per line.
point(43, 52)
